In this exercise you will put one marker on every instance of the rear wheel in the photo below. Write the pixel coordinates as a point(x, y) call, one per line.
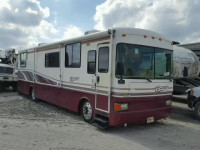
point(33, 95)
point(87, 112)
point(197, 110)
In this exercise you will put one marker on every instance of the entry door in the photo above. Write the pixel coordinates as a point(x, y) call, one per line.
point(102, 78)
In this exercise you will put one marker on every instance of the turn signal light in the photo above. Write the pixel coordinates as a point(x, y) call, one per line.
point(123, 35)
point(120, 107)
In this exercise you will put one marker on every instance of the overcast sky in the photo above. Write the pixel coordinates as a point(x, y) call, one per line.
point(25, 23)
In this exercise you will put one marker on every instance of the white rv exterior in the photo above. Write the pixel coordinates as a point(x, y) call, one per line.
point(80, 74)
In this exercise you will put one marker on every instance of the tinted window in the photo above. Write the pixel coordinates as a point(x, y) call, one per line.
point(144, 62)
point(163, 63)
point(103, 59)
point(73, 55)
point(91, 67)
point(52, 60)
point(137, 61)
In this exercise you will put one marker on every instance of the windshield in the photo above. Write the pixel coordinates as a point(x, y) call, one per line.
point(143, 62)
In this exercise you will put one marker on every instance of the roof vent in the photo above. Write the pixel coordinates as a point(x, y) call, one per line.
point(91, 31)
point(41, 44)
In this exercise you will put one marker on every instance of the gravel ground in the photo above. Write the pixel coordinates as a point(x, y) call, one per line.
point(27, 125)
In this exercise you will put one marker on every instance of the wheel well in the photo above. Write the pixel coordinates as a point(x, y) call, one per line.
point(81, 103)
point(30, 90)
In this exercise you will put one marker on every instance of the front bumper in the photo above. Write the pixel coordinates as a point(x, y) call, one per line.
point(139, 117)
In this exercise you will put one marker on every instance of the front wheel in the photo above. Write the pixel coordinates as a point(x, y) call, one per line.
point(197, 110)
point(86, 112)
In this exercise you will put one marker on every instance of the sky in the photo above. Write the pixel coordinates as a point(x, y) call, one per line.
point(25, 23)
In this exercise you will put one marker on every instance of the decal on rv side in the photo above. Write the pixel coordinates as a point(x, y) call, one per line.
point(159, 89)
point(72, 79)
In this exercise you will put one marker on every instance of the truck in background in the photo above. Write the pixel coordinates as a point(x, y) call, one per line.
point(8, 72)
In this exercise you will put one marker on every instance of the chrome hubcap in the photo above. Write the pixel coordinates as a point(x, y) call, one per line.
point(87, 110)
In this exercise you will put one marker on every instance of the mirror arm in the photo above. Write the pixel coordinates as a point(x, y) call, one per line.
point(121, 81)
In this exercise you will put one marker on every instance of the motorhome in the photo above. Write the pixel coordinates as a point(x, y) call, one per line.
point(116, 77)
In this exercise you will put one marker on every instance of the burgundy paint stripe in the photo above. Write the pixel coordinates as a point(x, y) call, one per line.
point(45, 80)
point(20, 75)
point(27, 75)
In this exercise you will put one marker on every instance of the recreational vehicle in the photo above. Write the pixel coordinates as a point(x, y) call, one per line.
point(116, 77)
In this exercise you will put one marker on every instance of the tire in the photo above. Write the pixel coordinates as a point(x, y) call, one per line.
point(87, 111)
point(33, 95)
point(197, 110)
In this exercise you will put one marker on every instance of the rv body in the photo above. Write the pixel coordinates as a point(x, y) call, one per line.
point(70, 72)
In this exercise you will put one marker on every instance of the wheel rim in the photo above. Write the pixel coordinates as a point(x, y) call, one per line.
point(87, 111)
point(33, 95)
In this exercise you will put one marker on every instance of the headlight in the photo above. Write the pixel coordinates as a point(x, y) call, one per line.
point(168, 102)
point(120, 106)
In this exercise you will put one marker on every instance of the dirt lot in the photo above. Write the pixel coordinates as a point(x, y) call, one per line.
point(26, 125)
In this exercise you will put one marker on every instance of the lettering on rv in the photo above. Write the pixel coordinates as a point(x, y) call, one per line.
point(161, 88)
point(72, 79)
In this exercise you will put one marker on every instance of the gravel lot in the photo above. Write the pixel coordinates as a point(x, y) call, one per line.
point(27, 125)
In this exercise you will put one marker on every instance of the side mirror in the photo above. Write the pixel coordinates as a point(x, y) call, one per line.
point(120, 69)
point(120, 72)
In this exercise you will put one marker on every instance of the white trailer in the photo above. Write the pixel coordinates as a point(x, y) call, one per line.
point(115, 77)
point(186, 70)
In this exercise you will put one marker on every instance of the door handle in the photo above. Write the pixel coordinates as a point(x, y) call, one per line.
point(98, 79)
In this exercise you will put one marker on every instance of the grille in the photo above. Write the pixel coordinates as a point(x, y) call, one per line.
point(6, 70)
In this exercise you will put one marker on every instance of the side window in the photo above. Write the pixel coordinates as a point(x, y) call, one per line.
point(52, 59)
point(103, 60)
point(73, 55)
point(91, 65)
point(23, 57)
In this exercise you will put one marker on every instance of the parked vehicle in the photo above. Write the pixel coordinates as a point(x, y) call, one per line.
point(194, 100)
point(113, 78)
point(8, 75)
point(186, 69)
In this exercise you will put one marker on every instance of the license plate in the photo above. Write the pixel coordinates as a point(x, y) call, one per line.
point(150, 119)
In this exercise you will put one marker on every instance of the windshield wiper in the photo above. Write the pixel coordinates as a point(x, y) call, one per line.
point(170, 79)
point(148, 79)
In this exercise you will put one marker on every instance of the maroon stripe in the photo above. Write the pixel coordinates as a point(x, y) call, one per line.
point(45, 80)
point(26, 73)
point(20, 75)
